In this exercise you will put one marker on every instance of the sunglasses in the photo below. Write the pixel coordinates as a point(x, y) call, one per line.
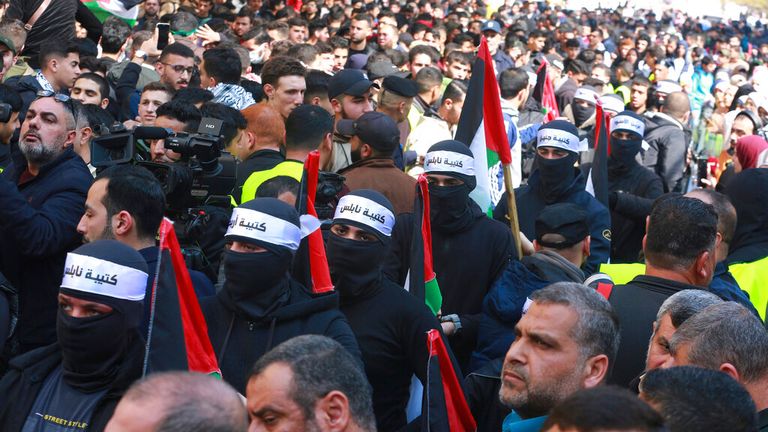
point(58, 97)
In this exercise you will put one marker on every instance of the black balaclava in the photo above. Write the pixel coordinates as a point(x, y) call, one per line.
point(580, 113)
point(624, 151)
point(356, 265)
point(93, 348)
point(256, 284)
point(451, 209)
point(557, 175)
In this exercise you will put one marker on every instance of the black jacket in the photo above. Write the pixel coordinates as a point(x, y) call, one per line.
point(482, 394)
point(239, 342)
point(636, 188)
point(530, 202)
point(636, 305)
point(261, 160)
point(38, 226)
point(668, 141)
point(466, 263)
point(27, 374)
point(390, 326)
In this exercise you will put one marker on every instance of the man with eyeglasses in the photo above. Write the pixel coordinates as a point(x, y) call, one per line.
point(42, 194)
point(176, 65)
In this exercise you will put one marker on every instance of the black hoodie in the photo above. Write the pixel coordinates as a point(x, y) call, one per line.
point(238, 341)
point(668, 141)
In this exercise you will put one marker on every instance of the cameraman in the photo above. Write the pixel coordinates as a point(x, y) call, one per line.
point(42, 193)
point(11, 98)
point(88, 119)
point(178, 116)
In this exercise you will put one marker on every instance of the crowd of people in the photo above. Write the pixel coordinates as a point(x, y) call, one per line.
point(639, 311)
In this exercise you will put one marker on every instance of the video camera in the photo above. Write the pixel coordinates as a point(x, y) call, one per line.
point(5, 112)
point(202, 177)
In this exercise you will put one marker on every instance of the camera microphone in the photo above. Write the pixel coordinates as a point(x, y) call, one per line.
point(152, 132)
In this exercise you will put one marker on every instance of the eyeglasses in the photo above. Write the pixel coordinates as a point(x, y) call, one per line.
point(58, 97)
point(180, 68)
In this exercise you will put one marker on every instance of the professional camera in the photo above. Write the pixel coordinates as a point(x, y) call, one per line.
point(5, 112)
point(202, 175)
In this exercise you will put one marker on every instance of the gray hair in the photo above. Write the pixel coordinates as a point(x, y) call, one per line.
point(321, 365)
point(725, 333)
point(597, 331)
point(191, 402)
point(684, 304)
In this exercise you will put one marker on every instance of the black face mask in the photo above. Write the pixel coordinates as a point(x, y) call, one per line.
point(355, 265)
point(556, 175)
point(581, 114)
point(624, 151)
point(92, 348)
point(449, 207)
point(256, 282)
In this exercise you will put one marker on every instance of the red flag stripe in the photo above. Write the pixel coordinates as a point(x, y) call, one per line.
point(200, 355)
point(321, 276)
point(459, 415)
point(426, 228)
point(493, 121)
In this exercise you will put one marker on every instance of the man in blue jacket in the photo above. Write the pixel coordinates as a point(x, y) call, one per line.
point(42, 193)
point(556, 180)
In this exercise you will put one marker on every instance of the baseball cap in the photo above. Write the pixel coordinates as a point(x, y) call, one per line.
point(400, 86)
point(352, 82)
point(567, 220)
point(373, 128)
point(381, 69)
point(5, 40)
point(491, 25)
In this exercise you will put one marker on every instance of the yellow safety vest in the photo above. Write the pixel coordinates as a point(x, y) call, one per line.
point(290, 168)
point(752, 278)
point(622, 273)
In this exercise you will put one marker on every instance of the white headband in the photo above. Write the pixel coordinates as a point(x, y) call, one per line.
point(267, 228)
point(97, 276)
point(627, 123)
point(448, 161)
point(586, 94)
point(668, 87)
point(551, 137)
point(612, 104)
point(367, 212)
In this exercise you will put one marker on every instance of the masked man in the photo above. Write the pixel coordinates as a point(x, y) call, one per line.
point(261, 305)
point(557, 180)
point(390, 324)
point(633, 188)
point(75, 384)
point(469, 249)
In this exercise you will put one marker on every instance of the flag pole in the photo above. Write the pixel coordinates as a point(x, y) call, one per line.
point(512, 209)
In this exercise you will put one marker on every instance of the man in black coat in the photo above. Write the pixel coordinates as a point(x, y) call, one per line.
point(668, 138)
point(41, 199)
point(469, 250)
point(99, 352)
point(680, 254)
point(261, 305)
point(633, 188)
point(389, 323)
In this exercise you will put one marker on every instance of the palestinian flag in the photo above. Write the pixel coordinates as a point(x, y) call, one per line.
point(481, 127)
point(444, 407)
point(422, 281)
point(544, 92)
point(178, 336)
point(320, 276)
point(105, 8)
point(597, 180)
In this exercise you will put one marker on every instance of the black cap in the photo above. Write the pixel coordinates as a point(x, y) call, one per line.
point(352, 82)
point(381, 69)
point(401, 86)
point(566, 219)
point(373, 128)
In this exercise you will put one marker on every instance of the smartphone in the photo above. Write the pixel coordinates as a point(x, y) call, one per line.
point(162, 38)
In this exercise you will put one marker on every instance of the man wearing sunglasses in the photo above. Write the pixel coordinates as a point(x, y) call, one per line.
point(42, 194)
